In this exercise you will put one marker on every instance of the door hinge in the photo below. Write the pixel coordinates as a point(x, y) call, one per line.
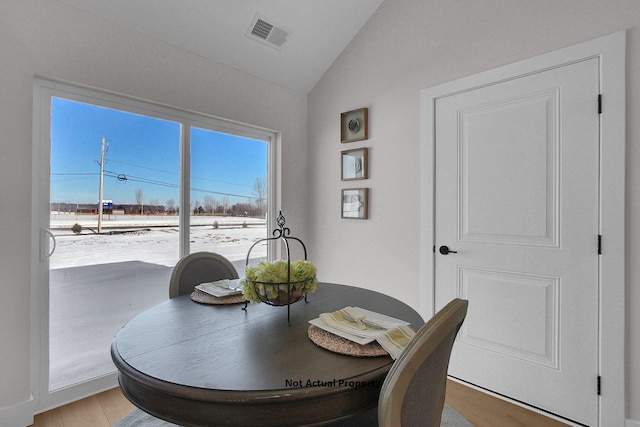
point(599, 385)
point(600, 104)
point(599, 244)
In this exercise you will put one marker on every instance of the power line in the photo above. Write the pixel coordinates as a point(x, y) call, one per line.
point(76, 173)
point(222, 194)
point(132, 178)
point(176, 173)
point(142, 167)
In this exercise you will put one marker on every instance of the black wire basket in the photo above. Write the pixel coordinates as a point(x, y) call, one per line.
point(282, 292)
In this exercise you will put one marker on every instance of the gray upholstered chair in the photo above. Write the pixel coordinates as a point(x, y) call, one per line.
point(413, 392)
point(199, 267)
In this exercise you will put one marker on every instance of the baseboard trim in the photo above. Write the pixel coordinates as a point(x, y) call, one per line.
point(518, 403)
point(76, 392)
point(20, 414)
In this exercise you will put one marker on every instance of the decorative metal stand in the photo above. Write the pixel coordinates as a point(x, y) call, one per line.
point(281, 293)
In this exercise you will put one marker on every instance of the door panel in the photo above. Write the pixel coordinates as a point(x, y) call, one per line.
point(492, 291)
point(517, 199)
point(503, 201)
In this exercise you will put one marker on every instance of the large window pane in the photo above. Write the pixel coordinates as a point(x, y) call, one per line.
point(107, 269)
point(228, 195)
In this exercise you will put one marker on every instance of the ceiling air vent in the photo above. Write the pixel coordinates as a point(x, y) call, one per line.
point(267, 33)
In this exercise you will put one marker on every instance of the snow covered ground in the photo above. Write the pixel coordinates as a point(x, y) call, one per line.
point(100, 281)
point(152, 239)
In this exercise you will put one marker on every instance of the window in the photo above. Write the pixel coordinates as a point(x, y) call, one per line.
point(125, 188)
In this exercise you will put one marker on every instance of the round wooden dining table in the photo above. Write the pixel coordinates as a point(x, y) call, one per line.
point(218, 365)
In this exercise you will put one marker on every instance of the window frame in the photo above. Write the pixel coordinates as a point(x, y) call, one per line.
point(43, 92)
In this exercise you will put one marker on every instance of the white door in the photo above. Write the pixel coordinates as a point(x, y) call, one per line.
point(517, 199)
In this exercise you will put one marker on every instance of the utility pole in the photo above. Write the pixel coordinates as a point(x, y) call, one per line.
point(101, 187)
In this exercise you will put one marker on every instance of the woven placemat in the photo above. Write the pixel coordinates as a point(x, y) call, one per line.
point(337, 344)
point(205, 298)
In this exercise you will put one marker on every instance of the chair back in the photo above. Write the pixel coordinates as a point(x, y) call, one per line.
point(199, 267)
point(413, 392)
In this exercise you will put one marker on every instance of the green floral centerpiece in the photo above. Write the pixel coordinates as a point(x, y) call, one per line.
point(280, 282)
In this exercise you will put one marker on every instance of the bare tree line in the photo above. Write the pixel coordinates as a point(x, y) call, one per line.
point(208, 206)
point(257, 206)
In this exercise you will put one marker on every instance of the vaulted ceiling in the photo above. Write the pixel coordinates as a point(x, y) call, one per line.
point(315, 32)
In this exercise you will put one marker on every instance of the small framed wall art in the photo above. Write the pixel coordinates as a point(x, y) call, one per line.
point(355, 203)
point(355, 164)
point(354, 125)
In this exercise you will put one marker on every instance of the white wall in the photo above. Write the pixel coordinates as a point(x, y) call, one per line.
point(409, 45)
point(47, 38)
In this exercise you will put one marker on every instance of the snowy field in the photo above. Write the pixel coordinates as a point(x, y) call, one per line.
point(152, 239)
point(98, 282)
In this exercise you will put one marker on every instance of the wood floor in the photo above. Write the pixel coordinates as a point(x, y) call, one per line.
point(102, 410)
point(482, 410)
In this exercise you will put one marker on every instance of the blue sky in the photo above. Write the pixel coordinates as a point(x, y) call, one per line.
point(143, 152)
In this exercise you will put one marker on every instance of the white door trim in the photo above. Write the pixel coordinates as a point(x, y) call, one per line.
point(610, 50)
